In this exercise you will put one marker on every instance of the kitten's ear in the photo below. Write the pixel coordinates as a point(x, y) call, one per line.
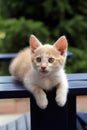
point(61, 44)
point(34, 43)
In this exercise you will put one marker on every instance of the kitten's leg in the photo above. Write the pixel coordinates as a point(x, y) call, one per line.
point(41, 98)
point(61, 94)
point(39, 94)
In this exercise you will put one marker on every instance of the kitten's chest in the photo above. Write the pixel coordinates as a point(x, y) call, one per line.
point(47, 83)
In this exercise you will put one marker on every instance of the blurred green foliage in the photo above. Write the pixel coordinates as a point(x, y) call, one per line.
point(48, 20)
point(78, 63)
point(14, 34)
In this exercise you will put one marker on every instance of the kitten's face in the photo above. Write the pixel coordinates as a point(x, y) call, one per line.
point(47, 59)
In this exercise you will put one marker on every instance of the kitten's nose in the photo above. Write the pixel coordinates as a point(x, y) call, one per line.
point(43, 68)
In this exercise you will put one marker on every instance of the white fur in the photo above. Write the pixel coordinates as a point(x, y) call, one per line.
point(35, 80)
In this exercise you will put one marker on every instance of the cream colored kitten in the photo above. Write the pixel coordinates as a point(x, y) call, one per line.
point(41, 67)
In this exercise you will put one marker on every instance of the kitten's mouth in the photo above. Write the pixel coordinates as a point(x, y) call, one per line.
point(44, 71)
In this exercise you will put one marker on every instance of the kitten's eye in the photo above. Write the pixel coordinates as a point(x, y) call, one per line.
point(51, 60)
point(38, 59)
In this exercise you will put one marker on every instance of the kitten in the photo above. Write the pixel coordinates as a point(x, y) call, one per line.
point(41, 67)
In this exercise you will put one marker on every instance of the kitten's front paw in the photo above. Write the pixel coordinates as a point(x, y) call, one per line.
point(61, 100)
point(42, 102)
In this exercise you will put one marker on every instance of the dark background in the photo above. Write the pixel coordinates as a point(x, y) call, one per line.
point(48, 20)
